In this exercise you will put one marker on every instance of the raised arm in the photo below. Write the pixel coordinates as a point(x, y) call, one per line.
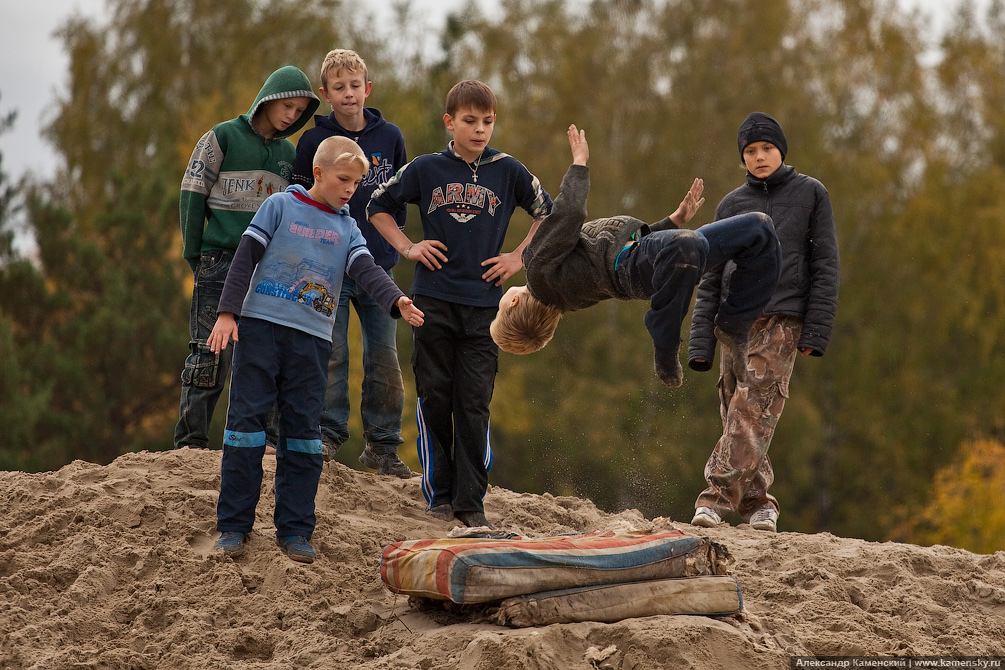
point(690, 204)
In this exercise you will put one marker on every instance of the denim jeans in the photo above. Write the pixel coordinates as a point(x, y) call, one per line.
point(665, 266)
point(383, 392)
point(205, 373)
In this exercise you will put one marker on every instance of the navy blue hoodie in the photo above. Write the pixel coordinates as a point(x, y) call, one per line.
point(469, 215)
point(384, 147)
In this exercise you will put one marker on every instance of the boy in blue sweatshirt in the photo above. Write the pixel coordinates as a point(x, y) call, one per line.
point(283, 285)
point(466, 195)
point(344, 86)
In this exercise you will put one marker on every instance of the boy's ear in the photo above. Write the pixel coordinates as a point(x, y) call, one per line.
point(366, 91)
point(317, 172)
point(448, 121)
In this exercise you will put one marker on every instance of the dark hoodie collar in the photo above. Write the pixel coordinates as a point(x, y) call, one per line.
point(372, 115)
point(777, 178)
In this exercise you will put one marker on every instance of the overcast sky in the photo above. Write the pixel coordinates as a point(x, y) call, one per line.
point(35, 67)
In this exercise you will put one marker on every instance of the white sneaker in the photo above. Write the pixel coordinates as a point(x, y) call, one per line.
point(765, 518)
point(706, 517)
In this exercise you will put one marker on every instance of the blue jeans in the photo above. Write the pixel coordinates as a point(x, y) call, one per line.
point(205, 373)
point(383, 392)
point(665, 266)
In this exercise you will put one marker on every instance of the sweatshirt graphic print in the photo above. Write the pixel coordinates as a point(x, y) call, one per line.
point(308, 247)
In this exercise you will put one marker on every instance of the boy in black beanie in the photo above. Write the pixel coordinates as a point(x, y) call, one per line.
point(798, 319)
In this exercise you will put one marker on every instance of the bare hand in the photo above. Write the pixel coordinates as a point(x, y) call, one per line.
point(428, 252)
point(224, 330)
point(502, 267)
point(577, 142)
point(409, 312)
point(690, 204)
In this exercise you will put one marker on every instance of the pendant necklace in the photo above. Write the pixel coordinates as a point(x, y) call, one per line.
point(474, 170)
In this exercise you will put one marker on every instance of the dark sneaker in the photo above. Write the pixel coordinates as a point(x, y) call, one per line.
point(474, 520)
point(384, 464)
point(668, 368)
point(298, 548)
point(738, 348)
point(706, 517)
point(442, 512)
point(765, 518)
point(231, 543)
point(329, 449)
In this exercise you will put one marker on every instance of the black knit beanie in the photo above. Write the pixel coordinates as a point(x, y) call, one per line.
point(759, 127)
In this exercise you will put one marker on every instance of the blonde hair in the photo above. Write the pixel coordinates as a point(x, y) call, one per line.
point(525, 327)
point(338, 150)
point(341, 59)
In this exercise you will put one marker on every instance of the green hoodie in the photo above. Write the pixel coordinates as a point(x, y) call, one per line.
point(233, 169)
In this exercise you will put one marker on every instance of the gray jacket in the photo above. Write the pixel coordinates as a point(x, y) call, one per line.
point(800, 208)
point(570, 261)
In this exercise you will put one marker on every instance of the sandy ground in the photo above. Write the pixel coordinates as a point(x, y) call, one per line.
point(113, 567)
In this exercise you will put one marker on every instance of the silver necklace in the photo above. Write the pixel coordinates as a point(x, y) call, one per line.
point(474, 170)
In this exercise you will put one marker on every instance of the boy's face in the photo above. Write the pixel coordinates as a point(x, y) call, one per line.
point(334, 186)
point(472, 129)
point(284, 112)
point(346, 92)
point(762, 159)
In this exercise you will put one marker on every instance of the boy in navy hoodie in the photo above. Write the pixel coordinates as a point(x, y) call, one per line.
point(466, 195)
point(344, 86)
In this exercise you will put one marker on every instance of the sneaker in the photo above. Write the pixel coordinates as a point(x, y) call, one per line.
point(442, 512)
point(706, 517)
point(474, 520)
point(765, 518)
point(231, 543)
point(384, 464)
point(298, 548)
point(668, 368)
point(329, 449)
point(738, 348)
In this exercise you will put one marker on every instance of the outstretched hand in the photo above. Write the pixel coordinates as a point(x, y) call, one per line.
point(690, 204)
point(409, 312)
point(577, 142)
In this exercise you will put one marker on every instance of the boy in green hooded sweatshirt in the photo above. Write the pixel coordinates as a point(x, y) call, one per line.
point(233, 169)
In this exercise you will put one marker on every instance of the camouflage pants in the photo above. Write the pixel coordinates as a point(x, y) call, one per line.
point(739, 471)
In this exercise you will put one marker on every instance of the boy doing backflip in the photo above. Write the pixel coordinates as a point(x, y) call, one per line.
point(344, 86)
point(283, 285)
point(466, 195)
point(572, 264)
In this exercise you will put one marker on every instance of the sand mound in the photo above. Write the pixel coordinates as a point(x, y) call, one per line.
point(112, 567)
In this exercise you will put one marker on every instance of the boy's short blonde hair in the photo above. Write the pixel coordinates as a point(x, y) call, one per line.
point(525, 327)
point(338, 150)
point(341, 59)
point(472, 94)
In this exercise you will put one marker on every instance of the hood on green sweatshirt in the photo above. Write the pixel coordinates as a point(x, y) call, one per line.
point(288, 81)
